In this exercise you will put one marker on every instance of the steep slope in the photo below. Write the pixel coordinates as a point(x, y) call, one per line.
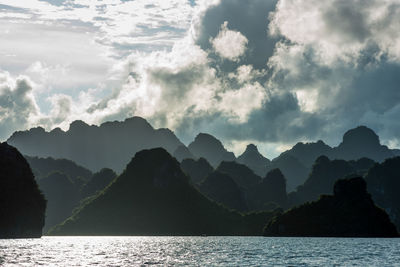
point(22, 205)
point(98, 182)
point(182, 152)
point(383, 181)
point(154, 197)
point(208, 147)
point(350, 212)
point(253, 159)
point(62, 197)
point(112, 144)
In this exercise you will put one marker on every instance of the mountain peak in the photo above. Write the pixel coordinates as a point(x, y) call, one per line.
point(360, 135)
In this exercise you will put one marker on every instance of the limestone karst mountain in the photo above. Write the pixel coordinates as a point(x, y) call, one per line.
point(22, 205)
point(253, 159)
point(349, 212)
point(112, 144)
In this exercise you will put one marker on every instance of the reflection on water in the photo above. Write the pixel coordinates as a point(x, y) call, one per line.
point(201, 251)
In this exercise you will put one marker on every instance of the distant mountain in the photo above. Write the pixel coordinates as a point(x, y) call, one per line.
point(112, 144)
point(98, 182)
point(22, 205)
point(197, 170)
point(221, 188)
point(62, 197)
point(208, 147)
point(360, 142)
point(383, 181)
point(324, 174)
point(254, 160)
point(271, 190)
point(350, 212)
point(241, 174)
point(154, 197)
point(291, 167)
point(182, 152)
point(42, 167)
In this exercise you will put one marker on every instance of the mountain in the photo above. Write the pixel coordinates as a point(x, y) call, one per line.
point(154, 197)
point(98, 182)
point(324, 174)
point(197, 170)
point(182, 152)
point(208, 147)
point(271, 190)
point(241, 174)
point(222, 188)
point(291, 167)
point(22, 205)
point(62, 197)
point(350, 212)
point(112, 144)
point(254, 160)
point(383, 181)
point(361, 142)
point(42, 167)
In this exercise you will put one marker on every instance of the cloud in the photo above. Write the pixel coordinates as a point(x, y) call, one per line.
point(17, 105)
point(229, 44)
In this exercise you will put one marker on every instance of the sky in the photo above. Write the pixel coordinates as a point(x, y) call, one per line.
point(271, 72)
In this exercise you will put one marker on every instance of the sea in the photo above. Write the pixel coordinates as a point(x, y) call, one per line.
point(199, 251)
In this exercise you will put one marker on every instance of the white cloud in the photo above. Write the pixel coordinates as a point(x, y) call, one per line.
point(229, 44)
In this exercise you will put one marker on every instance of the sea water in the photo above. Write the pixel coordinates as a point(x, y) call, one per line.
point(199, 251)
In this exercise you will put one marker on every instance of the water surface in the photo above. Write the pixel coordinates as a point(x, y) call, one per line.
point(199, 251)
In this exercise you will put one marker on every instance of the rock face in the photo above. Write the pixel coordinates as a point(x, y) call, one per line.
point(22, 205)
point(153, 197)
point(350, 212)
point(383, 181)
point(112, 144)
point(254, 160)
point(210, 148)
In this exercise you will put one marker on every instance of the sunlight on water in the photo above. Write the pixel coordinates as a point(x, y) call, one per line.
point(200, 251)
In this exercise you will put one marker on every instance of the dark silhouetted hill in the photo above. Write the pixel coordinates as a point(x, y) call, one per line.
point(62, 197)
point(154, 197)
point(112, 144)
point(350, 212)
point(254, 160)
point(42, 167)
point(361, 142)
point(272, 189)
point(208, 147)
point(294, 171)
point(324, 174)
point(221, 188)
point(197, 170)
point(182, 152)
point(98, 182)
point(383, 181)
point(22, 205)
point(241, 174)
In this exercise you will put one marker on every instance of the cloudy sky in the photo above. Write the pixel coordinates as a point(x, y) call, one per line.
point(263, 71)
